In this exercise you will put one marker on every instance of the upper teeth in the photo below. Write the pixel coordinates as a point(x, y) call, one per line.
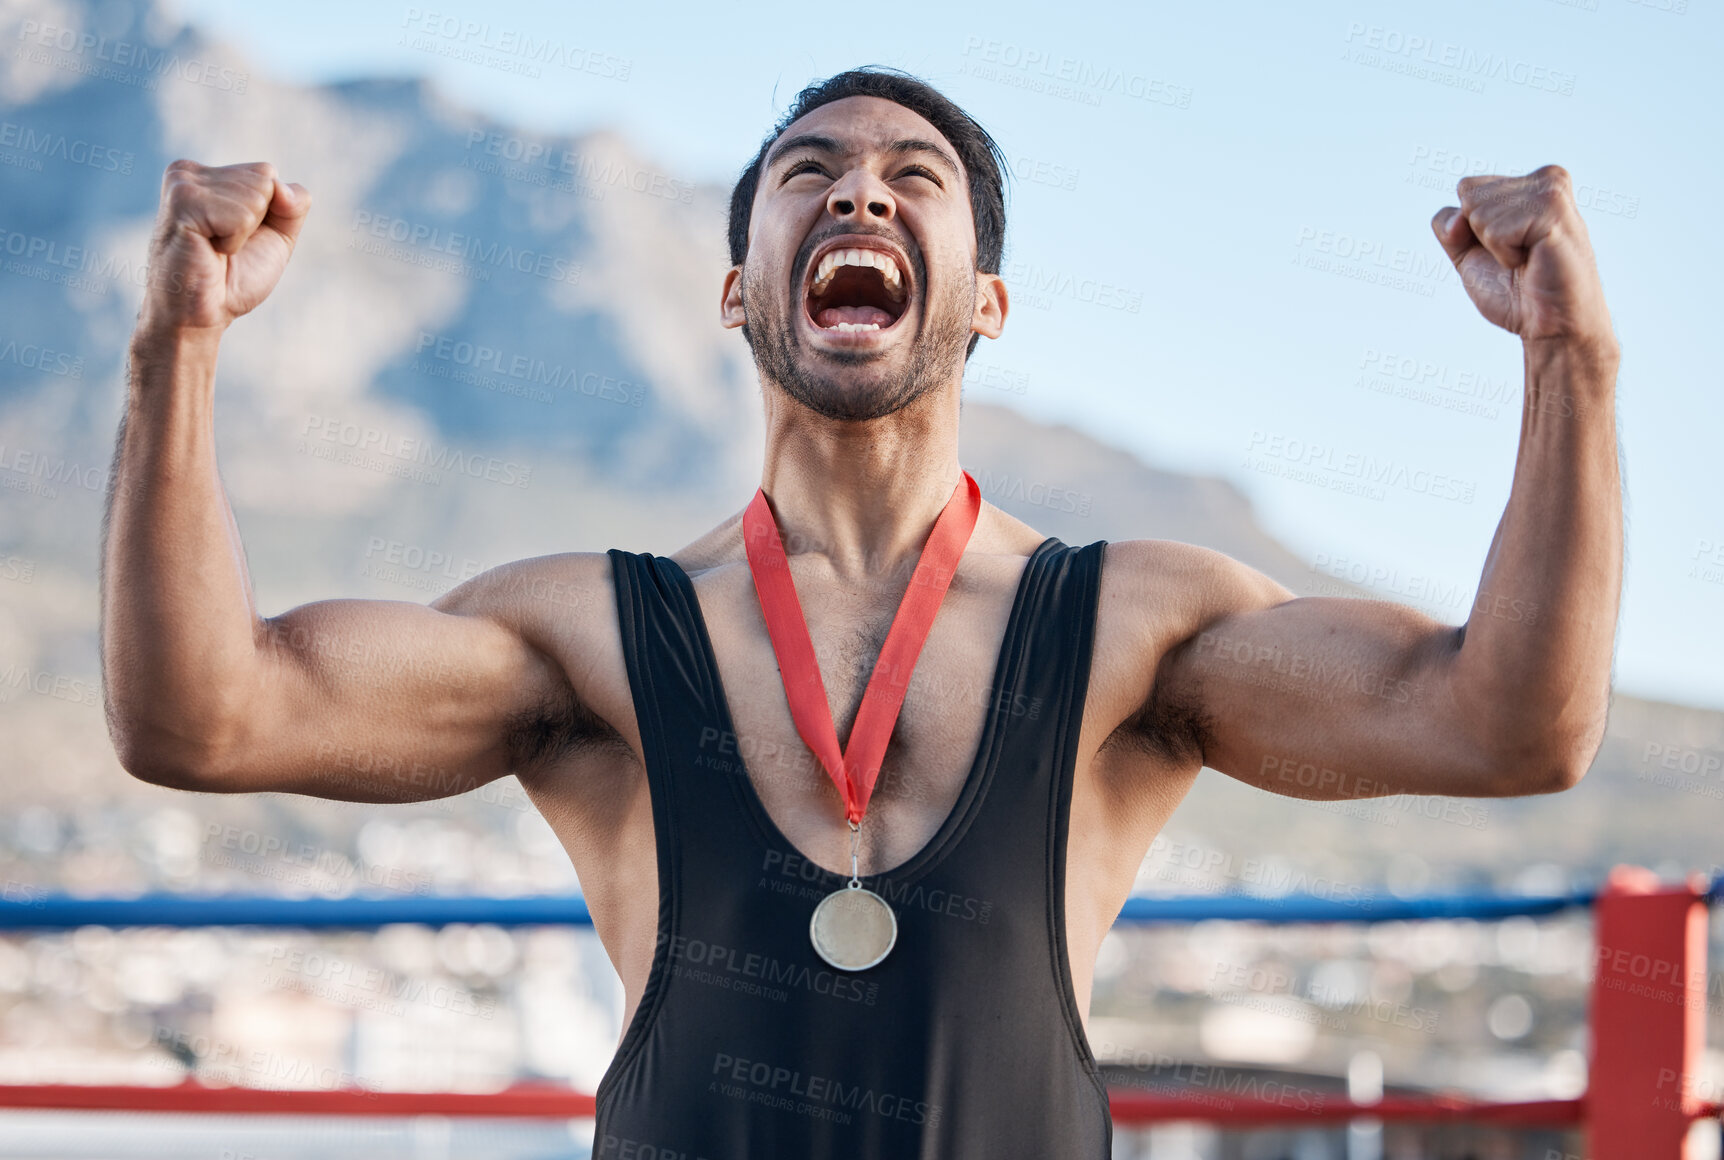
point(881, 261)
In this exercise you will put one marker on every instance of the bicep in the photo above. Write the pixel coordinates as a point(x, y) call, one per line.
point(1321, 697)
point(384, 701)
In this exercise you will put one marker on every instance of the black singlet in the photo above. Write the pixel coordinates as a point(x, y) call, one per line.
point(966, 1041)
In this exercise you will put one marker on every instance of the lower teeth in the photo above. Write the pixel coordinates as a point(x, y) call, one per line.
point(855, 326)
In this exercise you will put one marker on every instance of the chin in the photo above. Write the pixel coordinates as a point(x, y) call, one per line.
point(850, 395)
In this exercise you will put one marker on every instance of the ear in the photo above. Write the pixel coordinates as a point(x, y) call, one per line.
point(991, 305)
point(730, 312)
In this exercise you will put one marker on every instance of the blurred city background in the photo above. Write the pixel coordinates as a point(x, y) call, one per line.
point(1223, 282)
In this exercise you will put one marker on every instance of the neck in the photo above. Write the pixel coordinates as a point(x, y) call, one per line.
point(861, 494)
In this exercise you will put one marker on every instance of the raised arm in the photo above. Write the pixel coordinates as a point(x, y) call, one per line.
point(359, 700)
point(1336, 698)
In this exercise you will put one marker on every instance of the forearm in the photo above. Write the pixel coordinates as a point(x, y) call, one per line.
point(179, 641)
point(1533, 671)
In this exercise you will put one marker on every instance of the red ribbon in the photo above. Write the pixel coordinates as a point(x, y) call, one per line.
point(855, 769)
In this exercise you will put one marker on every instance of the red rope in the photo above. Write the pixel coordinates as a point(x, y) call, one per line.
point(530, 1100)
point(1235, 1111)
point(550, 1102)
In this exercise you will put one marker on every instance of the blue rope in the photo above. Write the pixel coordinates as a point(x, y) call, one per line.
point(62, 911)
point(1296, 908)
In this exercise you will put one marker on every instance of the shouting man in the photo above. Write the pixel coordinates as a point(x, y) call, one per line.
point(885, 947)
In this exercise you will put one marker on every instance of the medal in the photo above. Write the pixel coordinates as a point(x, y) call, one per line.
point(853, 928)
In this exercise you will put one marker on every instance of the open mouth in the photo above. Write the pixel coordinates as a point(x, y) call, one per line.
point(857, 289)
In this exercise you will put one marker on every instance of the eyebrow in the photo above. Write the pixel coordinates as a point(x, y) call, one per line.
point(802, 141)
point(826, 144)
point(917, 145)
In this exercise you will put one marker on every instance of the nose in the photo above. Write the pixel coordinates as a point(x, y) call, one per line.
point(859, 188)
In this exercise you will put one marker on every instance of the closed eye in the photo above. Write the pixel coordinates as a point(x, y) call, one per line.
point(809, 165)
point(804, 166)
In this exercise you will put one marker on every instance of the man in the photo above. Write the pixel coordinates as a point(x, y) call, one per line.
point(667, 727)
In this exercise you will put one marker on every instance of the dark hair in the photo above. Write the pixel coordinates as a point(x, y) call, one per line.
point(984, 164)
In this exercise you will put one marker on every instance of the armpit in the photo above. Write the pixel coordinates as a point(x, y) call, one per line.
point(556, 729)
point(1171, 724)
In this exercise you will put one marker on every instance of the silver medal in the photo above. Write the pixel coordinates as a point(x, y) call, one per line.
point(853, 928)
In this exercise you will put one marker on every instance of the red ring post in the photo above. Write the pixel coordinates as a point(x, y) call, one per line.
point(1648, 1017)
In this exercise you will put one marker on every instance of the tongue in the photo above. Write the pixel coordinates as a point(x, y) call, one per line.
point(832, 315)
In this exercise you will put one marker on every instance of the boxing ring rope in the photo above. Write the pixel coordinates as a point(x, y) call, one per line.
point(1647, 1007)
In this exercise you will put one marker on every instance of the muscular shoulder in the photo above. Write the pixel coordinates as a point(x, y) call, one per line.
point(1157, 597)
point(1165, 587)
point(542, 599)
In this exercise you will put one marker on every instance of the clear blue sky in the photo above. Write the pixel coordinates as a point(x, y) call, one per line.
point(1193, 158)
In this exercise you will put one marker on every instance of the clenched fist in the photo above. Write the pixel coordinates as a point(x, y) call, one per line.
point(222, 239)
point(1524, 258)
